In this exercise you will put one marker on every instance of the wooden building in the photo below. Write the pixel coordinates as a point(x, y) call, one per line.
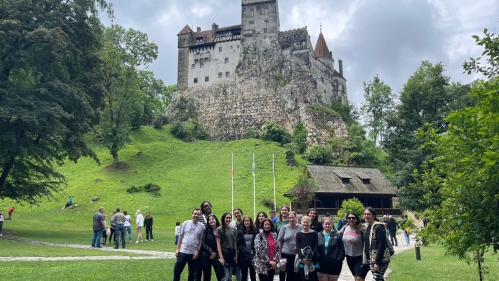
point(336, 184)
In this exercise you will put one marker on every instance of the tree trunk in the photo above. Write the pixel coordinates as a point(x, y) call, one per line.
point(114, 153)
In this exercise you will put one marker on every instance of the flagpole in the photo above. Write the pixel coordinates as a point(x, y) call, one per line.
point(232, 188)
point(273, 169)
point(254, 187)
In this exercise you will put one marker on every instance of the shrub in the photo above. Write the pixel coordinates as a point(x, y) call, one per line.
point(274, 132)
point(351, 205)
point(300, 138)
point(318, 154)
point(188, 131)
point(150, 188)
point(250, 133)
point(268, 203)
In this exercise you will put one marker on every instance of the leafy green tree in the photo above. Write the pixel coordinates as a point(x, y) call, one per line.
point(379, 102)
point(124, 51)
point(351, 205)
point(50, 90)
point(464, 175)
point(274, 132)
point(319, 154)
point(300, 138)
point(304, 191)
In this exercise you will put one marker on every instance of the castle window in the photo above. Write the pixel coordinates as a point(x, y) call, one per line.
point(220, 75)
point(252, 12)
point(207, 79)
point(220, 49)
point(231, 47)
point(226, 60)
point(265, 30)
point(193, 66)
point(195, 80)
point(201, 64)
point(366, 181)
point(345, 180)
point(227, 74)
point(238, 46)
point(266, 21)
point(199, 40)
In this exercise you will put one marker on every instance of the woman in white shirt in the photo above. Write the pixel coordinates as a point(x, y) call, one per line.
point(127, 225)
point(139, 223)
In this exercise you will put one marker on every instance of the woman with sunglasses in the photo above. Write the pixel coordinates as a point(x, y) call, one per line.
point(353, 243)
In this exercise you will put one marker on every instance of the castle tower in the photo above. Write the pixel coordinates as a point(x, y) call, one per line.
point(185, 37)
point(322, 52)
point(259, 19)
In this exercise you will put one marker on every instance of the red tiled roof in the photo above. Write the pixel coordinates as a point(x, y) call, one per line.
point(185, 30)
point(321, 49)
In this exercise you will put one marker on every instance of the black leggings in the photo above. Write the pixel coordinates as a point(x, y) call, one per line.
point(149, 232)
point(111, 235)
point(289, 274)
point(244, 271)
point(267, 277)
point(356, 267)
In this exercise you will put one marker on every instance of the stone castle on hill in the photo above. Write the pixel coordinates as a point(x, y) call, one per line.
point(233, 79)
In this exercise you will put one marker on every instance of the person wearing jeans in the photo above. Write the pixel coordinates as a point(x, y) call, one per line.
point(118, 220)
point(189, 246)
point(98, 226)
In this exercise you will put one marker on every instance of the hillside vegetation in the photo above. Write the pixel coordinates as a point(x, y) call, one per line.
point(188, 173)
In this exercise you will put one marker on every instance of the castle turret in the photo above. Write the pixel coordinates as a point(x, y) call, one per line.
point(322, 52)
point(259, 19)
point(185, 38)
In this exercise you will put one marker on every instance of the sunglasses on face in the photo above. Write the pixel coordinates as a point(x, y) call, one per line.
point(351, 218)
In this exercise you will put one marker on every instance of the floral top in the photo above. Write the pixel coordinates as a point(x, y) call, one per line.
point(263, 253)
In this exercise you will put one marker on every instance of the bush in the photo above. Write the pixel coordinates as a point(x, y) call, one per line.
point(319, 154)
point(150, 188)
point(300, 138)
point(268, 203)
point(274, 132)
point(351, 205)
point(188, 131)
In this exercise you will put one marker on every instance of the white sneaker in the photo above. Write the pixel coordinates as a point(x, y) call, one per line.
point(152, 239)
point(146, 240)
point(136, 241)
point(1, 234)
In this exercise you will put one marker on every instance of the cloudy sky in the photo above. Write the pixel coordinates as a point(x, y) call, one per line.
point(385, 37)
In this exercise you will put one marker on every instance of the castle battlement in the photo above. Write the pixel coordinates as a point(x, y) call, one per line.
point(251, 2)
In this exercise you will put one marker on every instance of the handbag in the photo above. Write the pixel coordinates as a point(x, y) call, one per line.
point(204, 258)
point(108, 231)
point(389, 246)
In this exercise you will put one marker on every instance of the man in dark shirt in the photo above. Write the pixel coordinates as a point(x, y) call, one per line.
point(392, 228)
point(98, 226)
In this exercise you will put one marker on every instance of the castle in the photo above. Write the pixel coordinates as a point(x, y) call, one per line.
point(206, 57)
point(238, 77)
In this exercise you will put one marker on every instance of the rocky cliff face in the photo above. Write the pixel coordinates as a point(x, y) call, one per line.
point(268, 87)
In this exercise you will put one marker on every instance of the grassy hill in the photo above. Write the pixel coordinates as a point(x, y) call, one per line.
point(188, 173)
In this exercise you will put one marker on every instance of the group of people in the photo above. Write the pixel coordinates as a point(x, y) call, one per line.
point(304, 249)
point(120, 225)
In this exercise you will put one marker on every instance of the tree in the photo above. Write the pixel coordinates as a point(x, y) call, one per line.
point(124, 51)
point(424, 99)
point(274, 132)
point(379, 102)
point(304, 191)
point(351, 205)
point(300, 138)
point(467, 165)
point(50, 90)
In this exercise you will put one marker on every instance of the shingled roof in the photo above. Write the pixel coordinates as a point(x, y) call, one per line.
point(321, 49)
point(185, 30)
point(329, 180)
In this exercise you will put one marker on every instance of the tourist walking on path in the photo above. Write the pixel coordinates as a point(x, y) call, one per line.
point(139, 223)
point(128, 225)
point(244, 262)
point(209, 253)
point(315, 224)
point(306, 248)
point(113, 226)
point(119, 220)
point(353, 243)
point(148, 221)
point(391, 225)
point(330, 252)
point(227, 246)
point(283, 218)
point(406, 230)
point(189, 246)
point(2, 219)
point(99, 224)
point(376, 253)
point(11, 210)
point(287, 240)
point(206, 210)
point(238, 215)
point(267, 252)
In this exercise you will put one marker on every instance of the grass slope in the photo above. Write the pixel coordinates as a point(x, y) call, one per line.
point(188, 174)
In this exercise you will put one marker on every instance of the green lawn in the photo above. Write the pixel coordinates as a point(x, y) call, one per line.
point(133, 270)
point(20, 249)
point(434, 265)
